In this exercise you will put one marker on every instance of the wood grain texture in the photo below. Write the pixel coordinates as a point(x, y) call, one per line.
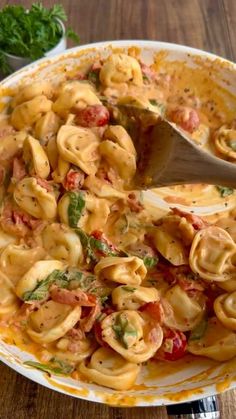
point(206, 24)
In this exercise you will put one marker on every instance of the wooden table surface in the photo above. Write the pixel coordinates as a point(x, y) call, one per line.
point(206, 24)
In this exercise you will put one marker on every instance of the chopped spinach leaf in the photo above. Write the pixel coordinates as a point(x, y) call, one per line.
point(128, 289)
point(150, 261)
point(75, 208)
point(123, 329)
point(56, 367)
point(224, 191)
point(199, 330)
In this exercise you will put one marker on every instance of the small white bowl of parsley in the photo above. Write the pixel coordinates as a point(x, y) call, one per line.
point(29, 34)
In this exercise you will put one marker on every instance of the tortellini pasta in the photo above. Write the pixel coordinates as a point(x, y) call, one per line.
point(12, 144)
point(36, 158)
point(121, 68)
point(38, 272)
point(131, 298)
point(118, 149)
point(63, 244)
point(217, 343)
point(8, 300)
point(27, 113)
point(224, 141)
point(109, 369)
point(225, 310)
point(79, 146)
point(102, 189)
point(51, 321)
point(16, 260)
point(74, 95)
point(46, 127)
point(211, 252)
point(61, 170)
point(124, 270)
point(84, 348)
point(180, 311)
point(93, 216)
point(35, 199)
point(30, 91)
point(133, 337)
point(170, 247)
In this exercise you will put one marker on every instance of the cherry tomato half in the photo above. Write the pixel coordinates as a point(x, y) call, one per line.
point(173, 346)
point(92, 116)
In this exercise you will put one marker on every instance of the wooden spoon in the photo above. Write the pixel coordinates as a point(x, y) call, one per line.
point(167, 156)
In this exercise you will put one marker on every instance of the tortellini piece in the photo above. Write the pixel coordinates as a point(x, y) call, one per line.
point(225, 310)
point(118, 149)
point(11, 145)
point(133, 337)
point(131, 298)
point(46, 127)
point(36, 158)
point(225, 140)
point(211, 253)
point(61, 170)
point(180, 311)
point(52, 321)
point(30, 91)
point(52, 152)
point(124, 270)
point(85, 348)
point(217, 343)
point(8, 300)
point(229, 285)
point(38, 272)
point(170, 247)
point(63, 244)
point(16, 260)
point(6, 239)
point(121, 68)
point(74, 95)
point(35, 199)
point(93, 216)
point(109, 369)
point(79, 146)
point(101, 188)
point(27, 113)
point(201, 135)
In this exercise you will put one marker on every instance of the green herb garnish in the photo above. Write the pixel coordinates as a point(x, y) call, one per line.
point(199, 330)
point(56, 366)
point(150, 261)
point(93, 77)
point(123, 329)
point(75, 208)
point(92, 245)
point(232, 145)
point(31, 33)
point(153, 102)
point(224, 191)
point(128, 289)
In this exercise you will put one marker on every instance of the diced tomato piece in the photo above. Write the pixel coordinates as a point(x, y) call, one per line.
point(72, 298)
point(148, 71)
point(154, 310)
point(19, 171)
point(74, 180)
point(99, 235)
point(173, 346)
point(197, 222)
point(92, 116)
point(98, 335)
point(186, 117)
point(134, 204)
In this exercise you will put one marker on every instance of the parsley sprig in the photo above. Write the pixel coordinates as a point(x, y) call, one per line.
point(30, 33)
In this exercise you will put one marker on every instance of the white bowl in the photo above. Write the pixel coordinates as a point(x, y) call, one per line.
point(16, 62)
point(196, 379)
